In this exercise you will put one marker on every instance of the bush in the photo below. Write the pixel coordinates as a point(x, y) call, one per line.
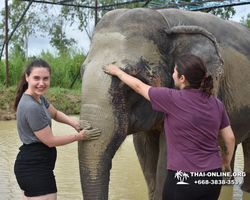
point(65, 68)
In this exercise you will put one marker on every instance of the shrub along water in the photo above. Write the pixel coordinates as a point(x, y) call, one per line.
point(64, 68)
point(65, 100)
point(64, 71)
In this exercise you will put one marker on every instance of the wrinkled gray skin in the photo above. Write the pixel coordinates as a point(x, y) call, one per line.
point(145, 43)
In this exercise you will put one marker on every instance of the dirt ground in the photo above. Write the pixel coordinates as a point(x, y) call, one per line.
point(7, 115)
point(6, 108)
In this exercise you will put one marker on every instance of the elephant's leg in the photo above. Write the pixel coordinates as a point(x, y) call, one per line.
point(233, 161)
point(95, 171)
point(161, 167)
point(147, 149)
point(246, 152)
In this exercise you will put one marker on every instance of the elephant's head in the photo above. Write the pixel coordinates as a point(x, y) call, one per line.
point(140, 42)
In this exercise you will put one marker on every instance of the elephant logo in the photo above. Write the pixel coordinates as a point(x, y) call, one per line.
point(181, 176)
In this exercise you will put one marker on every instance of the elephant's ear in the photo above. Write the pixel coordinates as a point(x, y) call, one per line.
point(198, 41)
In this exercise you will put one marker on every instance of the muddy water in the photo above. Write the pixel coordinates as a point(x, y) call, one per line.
point(126, 182)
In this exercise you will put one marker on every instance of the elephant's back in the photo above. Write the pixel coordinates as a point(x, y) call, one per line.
point(227, 33)
point(137, 22)
point(177, 17)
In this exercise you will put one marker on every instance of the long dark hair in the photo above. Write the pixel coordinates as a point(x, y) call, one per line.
point(195, 71)
point(22, 85)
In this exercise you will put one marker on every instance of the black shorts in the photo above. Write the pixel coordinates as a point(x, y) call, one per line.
point(190, 187)
point(34, 169)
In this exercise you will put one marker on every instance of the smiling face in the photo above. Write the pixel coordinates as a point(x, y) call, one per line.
point(38, 82)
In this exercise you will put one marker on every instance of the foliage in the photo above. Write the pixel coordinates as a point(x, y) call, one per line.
point(2, 72)
point(64, 67)
point(246, 21)
point(52, 20)
point(84, 16)
point(36, 20)
point(65, 100)
point(17, 64)
point(64, 70)
point(29, 25)
point(224, 13)
point(58, 37)
point(7, 98)
point(55, 25)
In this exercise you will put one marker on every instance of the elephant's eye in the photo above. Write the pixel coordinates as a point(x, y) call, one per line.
point(82, 69)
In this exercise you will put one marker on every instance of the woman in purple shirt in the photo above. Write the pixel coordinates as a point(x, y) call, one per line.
point(193, 120)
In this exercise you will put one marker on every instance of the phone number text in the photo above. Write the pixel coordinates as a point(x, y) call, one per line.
point(218, 182)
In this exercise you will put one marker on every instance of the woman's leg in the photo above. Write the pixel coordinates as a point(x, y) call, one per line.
point(52, 196)
point(24, 197)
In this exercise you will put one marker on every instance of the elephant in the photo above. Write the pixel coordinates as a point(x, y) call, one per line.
point(145, 43)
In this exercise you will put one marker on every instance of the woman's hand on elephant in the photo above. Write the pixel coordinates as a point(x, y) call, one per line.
point(111, 69)
point(83, 125)
point(91, 134)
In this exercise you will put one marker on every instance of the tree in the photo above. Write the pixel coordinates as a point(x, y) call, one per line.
point(224, 13)
point(85, 15)
point(41, 18)
point(57, 34)
point(246, 21)
point(29, 25)
point(58, 38)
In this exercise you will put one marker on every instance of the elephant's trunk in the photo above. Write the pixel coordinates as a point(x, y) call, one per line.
point(94, 172)
point(95, 157)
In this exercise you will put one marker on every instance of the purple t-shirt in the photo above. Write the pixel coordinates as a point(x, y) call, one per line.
point(192, 123)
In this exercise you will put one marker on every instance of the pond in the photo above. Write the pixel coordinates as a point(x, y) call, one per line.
point(126, 181)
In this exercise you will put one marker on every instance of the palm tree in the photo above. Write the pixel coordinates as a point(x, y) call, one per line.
point(181, 176)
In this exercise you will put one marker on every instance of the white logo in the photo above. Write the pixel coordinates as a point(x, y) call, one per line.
point(181, 176)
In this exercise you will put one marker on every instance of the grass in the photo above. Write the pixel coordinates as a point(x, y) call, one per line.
point(64, 68)
point(65, 71)
point(65, 100)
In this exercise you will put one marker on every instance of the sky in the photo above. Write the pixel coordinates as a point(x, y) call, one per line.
point(36, 45)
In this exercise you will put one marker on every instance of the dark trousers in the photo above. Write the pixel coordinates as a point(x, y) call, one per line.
point(187, 186)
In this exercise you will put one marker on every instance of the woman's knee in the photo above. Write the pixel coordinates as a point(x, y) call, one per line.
point(52, 196)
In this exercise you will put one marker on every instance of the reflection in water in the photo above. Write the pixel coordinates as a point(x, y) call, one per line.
point(126, 181)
